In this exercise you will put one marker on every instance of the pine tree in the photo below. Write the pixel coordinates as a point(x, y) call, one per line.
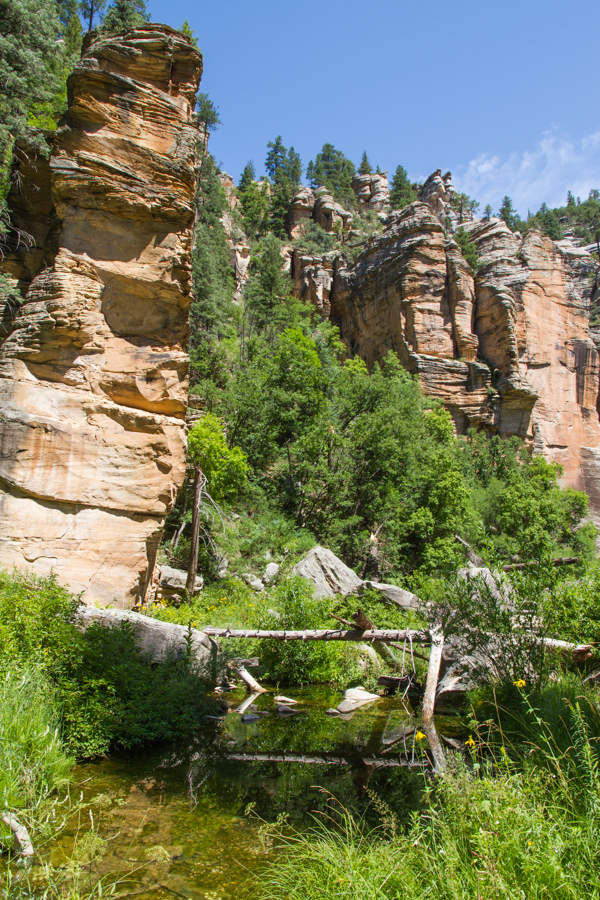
point(124, 15)
point(508, 214)
point(333, 170)
point(248, 176)
point(402, 192)
point(186, 29)
point(90, 10)
point(276, 157)
point(285, 170)
point(365, 166)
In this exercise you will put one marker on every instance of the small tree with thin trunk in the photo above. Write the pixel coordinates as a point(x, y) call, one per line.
point(219, 472)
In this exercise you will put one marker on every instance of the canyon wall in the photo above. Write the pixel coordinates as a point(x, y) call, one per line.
point(93, 372)
point(507, 349)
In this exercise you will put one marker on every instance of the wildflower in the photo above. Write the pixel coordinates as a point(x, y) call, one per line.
point(419, 736)
point(519, 683)
point(470, 743)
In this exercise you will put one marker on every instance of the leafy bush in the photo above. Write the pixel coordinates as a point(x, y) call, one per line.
point(111, 695)
point(298, 662)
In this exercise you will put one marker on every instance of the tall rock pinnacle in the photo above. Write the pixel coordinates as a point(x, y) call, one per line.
point(93, 377)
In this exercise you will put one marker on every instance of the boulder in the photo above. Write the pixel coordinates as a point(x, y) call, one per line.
point(172, 582)
point(329, 574)
point(253, 582)
point(157, 639)
point(393, 594)
point(271, 572)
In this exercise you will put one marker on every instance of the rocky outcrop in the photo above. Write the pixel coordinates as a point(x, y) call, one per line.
point(329, 214)
point(508, 349)
point(313, 279)
point(93, 377)
point(412, 292)
point(532, 320)
point(300, 213)
point(318, 206)
point(372, 191)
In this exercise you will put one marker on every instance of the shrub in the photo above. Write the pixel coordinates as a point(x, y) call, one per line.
point(298, 662)
point(112, 696)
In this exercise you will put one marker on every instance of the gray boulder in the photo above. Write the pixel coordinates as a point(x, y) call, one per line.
point(254, 582)
point(271, 572)
point(393, 594)
point(172, 582)
point(155, 638)
point(329, 574)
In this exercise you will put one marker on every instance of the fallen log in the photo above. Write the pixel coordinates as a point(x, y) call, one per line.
point(433, 674)
point(250, 682)
point(322, 759)
point(386, 636)
point(557, 561)
point(20, 832)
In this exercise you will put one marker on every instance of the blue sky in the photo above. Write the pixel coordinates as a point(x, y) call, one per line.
point(504, 94)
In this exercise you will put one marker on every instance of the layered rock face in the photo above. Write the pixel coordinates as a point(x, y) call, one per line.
point(372, 191)
point(412, 292)
point(508, 350)
point(93, 376)
point(532, 320)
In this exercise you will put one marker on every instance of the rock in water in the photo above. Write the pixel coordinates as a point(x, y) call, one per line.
point(93, 377)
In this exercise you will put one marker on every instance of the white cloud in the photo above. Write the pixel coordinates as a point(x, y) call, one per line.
point(556, 165)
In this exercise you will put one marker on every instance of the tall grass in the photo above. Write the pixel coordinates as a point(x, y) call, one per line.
point(33, 762)
point(494, 829)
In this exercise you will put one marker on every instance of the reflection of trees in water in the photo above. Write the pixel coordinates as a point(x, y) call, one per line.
point(298, 788)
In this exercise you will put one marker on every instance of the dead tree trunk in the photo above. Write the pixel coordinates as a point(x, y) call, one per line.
point(190, 583)
point(418, 637)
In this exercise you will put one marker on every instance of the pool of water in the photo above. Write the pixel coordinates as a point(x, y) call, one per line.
point(190, 822)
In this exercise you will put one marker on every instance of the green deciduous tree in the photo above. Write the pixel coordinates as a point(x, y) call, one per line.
point(401, 191)
point(29, 56)
point(225, 468)
point(220, 471)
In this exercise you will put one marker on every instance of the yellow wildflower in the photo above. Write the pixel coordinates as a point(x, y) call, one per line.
point(470, 743)
point(419, 736)
point(519, 683)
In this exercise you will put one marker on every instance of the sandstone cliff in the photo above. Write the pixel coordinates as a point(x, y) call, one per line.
point(93, 376)
point(507, 349)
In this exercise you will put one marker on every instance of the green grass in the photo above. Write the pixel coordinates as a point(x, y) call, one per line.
point(33, 761)
point(511, 821)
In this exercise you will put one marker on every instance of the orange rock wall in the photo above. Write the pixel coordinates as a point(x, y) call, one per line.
point(93, 377)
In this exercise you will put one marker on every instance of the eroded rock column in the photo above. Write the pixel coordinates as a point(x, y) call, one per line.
point(93, 377)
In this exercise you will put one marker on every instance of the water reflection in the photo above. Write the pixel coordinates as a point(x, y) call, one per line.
point(178, 822)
